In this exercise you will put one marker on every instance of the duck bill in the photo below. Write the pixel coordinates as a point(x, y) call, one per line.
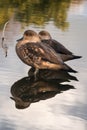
point(20, 39)
point(12, 98)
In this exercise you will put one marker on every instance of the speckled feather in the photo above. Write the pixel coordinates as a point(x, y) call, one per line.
point(37, 51)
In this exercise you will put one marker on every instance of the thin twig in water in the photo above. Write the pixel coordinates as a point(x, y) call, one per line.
point(3, 37)
point(3, 33)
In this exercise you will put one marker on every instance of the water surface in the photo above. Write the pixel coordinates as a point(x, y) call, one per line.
point(66, 21)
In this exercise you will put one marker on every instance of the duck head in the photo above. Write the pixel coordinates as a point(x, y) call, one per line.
point(19, 103)
point(44, 35)
point(29, 36)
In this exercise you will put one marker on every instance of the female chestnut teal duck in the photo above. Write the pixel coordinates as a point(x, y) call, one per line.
point(34, 53)
point(65, 54)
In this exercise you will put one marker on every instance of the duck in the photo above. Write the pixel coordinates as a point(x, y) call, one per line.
point(34, 53)
point(64, 53)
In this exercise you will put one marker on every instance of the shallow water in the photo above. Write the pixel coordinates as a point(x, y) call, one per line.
point(64, 111)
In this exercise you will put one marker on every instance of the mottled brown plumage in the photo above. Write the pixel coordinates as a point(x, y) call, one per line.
point(38, 55)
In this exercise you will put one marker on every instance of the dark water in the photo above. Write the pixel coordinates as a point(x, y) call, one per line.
point(66, 21)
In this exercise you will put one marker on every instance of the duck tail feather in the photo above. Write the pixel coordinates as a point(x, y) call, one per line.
point(76, 57)
point(69, 69)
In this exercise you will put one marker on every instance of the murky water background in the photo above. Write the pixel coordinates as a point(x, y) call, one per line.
point(67, 23)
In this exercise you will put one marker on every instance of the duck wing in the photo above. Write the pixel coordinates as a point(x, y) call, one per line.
point(58, 47)
point(31, 53)
point(39, 50)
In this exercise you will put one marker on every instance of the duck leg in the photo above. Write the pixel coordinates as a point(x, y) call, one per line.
point(35, 74)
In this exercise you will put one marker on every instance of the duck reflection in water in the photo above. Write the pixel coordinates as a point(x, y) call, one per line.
point(51, 75)
point(26, 90)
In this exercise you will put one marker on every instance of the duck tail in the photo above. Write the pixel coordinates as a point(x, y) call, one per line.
point(73, 78)
point(76, 57)
point(69, 69)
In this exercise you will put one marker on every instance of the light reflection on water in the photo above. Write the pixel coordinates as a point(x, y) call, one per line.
point(65, 111)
